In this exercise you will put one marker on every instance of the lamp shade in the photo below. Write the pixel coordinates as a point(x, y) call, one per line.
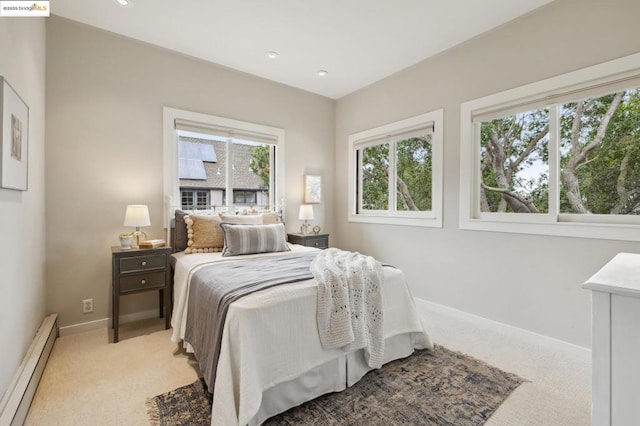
point(306, 212)
point(137, 215)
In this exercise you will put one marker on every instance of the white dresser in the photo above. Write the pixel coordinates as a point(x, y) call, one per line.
point(616, 341)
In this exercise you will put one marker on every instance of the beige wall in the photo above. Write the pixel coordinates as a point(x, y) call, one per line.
point(22, 258)
point(105, 95)
point(104, 150)
point(528, 281)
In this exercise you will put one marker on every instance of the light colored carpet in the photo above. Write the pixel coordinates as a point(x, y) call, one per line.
point(90, 381)
point(558, 391)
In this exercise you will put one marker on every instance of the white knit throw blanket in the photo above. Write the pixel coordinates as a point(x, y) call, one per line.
point(350, 302)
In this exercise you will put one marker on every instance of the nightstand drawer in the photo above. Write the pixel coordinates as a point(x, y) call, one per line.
point(320, 242)
point(142, 281)
point(142, 263)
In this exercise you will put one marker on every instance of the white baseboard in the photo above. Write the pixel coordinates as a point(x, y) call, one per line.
point(16, 401)
point(505, 329)
point(106, 322)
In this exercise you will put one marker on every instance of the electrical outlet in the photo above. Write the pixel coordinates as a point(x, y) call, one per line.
point(87, 306)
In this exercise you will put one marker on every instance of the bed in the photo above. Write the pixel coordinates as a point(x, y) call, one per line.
point(271, 357)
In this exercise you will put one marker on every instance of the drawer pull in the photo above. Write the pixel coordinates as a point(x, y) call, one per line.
point(144, 263)
point(143, 282)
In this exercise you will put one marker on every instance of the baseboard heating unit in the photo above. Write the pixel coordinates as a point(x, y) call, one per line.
point(16, 401)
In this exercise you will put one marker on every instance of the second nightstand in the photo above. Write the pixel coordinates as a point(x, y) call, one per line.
point(136, 270)
point(320, 241)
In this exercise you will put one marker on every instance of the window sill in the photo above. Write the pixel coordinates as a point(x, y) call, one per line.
point(618, 232)
point(427, 222)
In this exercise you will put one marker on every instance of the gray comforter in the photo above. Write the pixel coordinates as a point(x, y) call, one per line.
point(213, 288)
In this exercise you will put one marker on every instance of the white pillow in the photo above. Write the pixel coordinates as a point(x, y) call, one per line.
point(243, 219)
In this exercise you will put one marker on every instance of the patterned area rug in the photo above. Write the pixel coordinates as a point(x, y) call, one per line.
point(440, 387)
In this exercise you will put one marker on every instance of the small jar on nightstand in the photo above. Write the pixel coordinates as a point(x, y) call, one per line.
point(320, 241)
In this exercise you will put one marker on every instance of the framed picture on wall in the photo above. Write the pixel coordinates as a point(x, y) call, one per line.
point(14, 128)
point(312, 189)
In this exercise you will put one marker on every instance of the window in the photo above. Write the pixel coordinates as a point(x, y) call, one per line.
point(216, 163)
point(559, 157)
point(396, 172)
point(244, 197)
point(514, 167)
point(251, 173)
point(208, 158)
point(408, 171)
point(373, 178)
point(194, 200)
point(600, 154)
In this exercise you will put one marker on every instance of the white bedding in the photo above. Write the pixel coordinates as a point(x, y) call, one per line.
point(271, 336)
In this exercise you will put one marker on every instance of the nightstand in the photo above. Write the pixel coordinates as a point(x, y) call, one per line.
point(320, 241)
point(136, 270)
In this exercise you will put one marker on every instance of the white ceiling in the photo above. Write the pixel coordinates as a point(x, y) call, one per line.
point(357, 41)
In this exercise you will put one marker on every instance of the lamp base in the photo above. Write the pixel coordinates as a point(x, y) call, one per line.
point(137, 234)
point(305, 228)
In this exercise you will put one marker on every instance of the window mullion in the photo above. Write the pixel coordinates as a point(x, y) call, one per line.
point(477, 171)
point(272, 177)
point(554, 163)
point(229, 175)
point(359, 155)
point(393, 184)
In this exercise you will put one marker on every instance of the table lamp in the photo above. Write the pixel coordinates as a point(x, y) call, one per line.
point(137, 215)
point(306, 214)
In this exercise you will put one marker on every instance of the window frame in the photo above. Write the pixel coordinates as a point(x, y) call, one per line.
point(237, 191)
point(549, 93)
point(378, 136)
point(171, 182)
point(195, 192)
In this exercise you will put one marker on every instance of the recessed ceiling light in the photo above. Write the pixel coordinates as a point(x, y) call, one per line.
point(272, 55)
point(322, 73)
point(125, 3)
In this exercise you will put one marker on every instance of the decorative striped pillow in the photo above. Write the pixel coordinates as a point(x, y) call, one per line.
point(250, 239)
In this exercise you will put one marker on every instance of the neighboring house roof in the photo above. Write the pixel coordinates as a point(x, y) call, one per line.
point(195, 158)
point(192, 156)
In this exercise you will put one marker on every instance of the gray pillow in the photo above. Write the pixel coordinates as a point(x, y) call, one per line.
point(180, 237)
point(250, 239)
